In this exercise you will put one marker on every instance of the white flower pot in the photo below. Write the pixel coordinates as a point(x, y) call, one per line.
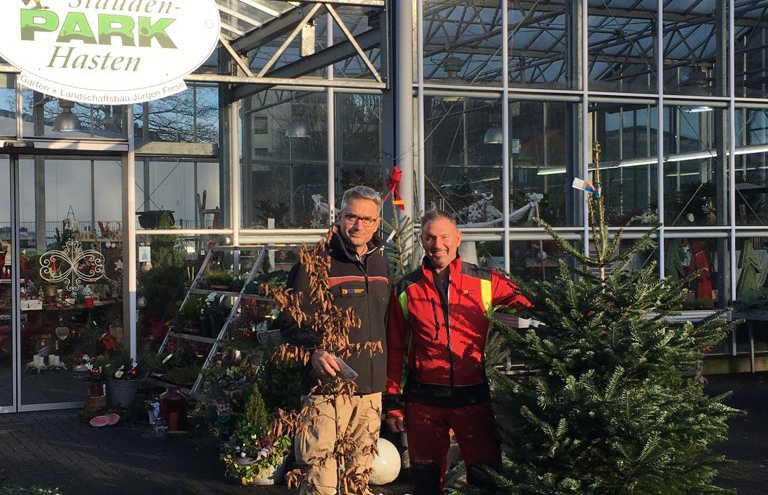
point(271, 476)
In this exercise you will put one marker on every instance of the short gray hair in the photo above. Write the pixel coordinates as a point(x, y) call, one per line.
point(432, 215)
point(361, 192)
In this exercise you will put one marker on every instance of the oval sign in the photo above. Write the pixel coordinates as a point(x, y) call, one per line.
point(115, 52)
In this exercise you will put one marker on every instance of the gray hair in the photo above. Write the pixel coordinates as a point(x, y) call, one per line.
point(432, 215)
point(361, 192)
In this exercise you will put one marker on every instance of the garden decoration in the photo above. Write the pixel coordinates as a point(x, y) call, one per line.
point(614, 402)
point(73, 266)
point(386, 464)
point(37, 364)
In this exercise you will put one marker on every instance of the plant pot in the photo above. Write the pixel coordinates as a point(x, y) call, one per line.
point(122, 392)
point(96, 389)
point(151, 219)
point(272, 475)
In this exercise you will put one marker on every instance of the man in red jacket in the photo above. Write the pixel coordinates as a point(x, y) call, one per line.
point(436, 339)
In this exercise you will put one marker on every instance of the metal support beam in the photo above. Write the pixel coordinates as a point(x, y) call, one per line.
point(271, 30)
point(243, 64)
point(720, 144)
point(307, 65)
point(403, 100)
point(573, 63)
point(129, 237)
point(294, 32)
point(352, 40)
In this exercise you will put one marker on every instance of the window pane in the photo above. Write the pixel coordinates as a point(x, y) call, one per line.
point(7, 105)
point(189, 192)
point(695, 50)
point(622, 40)
point(628, 162)
point(463, 158)
point(45, 116)
point(684, 256)
point(751, 45)
point(541, 48)
point(191, 116)
point(542, 158)
point(285, 157)
point(358, 148)
point(695, 180)
point(462, 43)
point(751, 166)
point(751, 268)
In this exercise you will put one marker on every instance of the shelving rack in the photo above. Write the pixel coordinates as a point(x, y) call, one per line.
point(238, 296)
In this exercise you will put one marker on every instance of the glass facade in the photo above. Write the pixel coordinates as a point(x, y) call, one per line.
point(651, 87)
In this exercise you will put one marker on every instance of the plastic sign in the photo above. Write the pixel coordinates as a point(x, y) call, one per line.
point(114, 52)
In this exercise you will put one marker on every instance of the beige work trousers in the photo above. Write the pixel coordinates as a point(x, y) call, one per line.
point(328, 418)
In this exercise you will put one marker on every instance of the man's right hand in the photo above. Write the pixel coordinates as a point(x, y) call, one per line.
point(324, 363)
point(396, 424)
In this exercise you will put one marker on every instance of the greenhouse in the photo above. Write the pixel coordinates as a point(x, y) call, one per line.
point(489, 108)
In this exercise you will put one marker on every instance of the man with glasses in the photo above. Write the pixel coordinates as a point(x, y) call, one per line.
point(359, 279)
point(436, 343)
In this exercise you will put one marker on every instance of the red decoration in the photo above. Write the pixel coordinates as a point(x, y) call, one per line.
point(393, 187)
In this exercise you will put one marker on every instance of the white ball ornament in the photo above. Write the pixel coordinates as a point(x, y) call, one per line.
point(386, 464)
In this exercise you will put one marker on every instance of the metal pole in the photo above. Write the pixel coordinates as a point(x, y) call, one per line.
point(421, 117)
point(234, 170)
point(586, 145)
point(129, 235)
point(15, 280)
point(403, 89)
point(506, 164)
point(731, 199)
point(331, 131)
point(660, 131)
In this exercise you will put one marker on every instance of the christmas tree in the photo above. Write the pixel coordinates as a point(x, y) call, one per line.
point(614, 402)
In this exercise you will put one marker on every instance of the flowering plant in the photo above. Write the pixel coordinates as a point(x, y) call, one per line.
point(127, 372)
point(247, 457)
point(96, 367)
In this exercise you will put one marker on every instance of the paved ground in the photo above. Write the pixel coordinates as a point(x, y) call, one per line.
point(57, 449)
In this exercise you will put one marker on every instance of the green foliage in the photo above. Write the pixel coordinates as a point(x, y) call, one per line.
point(189, 314)
point(249, 452)
point(218, 277)
point(614, 403)
point(184, 375)
point(402, 248)
point(254, 419)
point(280, 384)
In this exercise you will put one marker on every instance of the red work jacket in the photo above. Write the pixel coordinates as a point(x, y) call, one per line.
point(437, 336)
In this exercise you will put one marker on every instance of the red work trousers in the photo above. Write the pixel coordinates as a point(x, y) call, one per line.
point(428, 429)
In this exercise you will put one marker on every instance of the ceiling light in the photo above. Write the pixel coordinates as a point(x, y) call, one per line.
point(66, 121)
point(452, 66)
point(493, 135)
point(697, 109)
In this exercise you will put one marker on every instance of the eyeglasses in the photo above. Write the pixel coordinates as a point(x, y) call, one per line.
point(351, 219)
